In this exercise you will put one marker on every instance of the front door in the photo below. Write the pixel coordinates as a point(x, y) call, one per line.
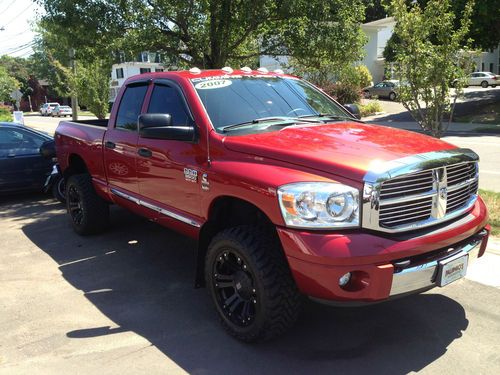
point(168, 171)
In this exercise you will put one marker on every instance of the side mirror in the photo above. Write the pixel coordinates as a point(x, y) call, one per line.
point(48, 149)
point(159, 126)
point(354, 110)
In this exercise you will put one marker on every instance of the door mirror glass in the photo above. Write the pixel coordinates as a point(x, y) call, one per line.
point(48, 149)
point(354, 110)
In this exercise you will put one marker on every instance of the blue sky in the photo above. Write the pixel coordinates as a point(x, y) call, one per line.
point(16, 20)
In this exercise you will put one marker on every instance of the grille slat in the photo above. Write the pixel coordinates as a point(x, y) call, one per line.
point(412, 208)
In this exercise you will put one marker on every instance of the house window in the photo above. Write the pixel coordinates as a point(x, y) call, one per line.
point(145, 56)
point(491, 67)
point(119, 73)
point(482, 66)
point(145, 70)
point(158, 70)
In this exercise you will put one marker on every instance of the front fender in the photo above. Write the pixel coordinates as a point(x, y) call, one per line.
point(253, 182)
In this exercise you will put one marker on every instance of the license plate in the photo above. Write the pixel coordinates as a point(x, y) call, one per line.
point(452, 269)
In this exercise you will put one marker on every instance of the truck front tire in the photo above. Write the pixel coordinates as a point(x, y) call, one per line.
point(250, 283)
point(89, 213)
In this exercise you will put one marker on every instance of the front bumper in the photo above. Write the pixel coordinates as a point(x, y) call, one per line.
point(382, 266)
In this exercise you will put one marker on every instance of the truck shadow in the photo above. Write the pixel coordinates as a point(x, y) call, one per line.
point(141, 276)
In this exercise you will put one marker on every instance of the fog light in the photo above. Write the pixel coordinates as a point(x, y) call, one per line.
point(344, 279)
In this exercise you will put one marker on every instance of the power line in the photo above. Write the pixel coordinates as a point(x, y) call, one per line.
point(14, 18)
point(17, 49)
point(8, 6)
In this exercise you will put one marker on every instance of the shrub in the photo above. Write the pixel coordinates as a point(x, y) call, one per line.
point(370, 108)
point(364, 76)
point(343, 92)
point(5, 115)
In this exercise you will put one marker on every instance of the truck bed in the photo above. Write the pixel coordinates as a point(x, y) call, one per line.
point(82, 138)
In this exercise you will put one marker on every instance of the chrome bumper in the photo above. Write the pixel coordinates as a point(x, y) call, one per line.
point(423, 276)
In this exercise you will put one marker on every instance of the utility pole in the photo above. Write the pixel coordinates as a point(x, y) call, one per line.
point(74, 98)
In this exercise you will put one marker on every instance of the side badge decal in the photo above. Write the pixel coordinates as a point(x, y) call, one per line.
point(205, 185)
point(191, 175)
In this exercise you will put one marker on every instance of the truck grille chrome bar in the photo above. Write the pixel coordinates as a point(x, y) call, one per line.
point(420, 191)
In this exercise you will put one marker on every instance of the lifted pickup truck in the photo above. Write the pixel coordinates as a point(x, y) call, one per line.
point(287, 193)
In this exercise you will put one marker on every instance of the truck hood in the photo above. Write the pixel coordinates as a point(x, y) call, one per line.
point(341, 148)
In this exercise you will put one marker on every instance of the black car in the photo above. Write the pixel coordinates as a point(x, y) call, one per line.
point(22, 166)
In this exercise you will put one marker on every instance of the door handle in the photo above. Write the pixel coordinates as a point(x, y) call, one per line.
point(145, 152)
point(110, 144)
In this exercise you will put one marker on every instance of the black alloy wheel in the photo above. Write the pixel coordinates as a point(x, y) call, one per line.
point(235, 288)
point(250, 283)
point(89, 213)
point(75, 205)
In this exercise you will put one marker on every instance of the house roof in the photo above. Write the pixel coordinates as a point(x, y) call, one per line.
point(379, 24)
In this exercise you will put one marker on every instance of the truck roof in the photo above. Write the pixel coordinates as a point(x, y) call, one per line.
point(197, 73)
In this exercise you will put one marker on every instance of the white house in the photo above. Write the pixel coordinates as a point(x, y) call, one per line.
point(378, 33)
point(120, 72)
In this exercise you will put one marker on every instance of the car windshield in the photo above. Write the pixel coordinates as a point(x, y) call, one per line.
point(254, 100)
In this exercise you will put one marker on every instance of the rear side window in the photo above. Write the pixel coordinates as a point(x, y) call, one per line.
point(130, 107)
point(166, 99)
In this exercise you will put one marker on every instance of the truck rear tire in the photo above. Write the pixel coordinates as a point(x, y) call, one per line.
point(89, 213)
point(250, 283)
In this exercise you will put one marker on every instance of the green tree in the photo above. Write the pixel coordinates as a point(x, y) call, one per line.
point(212, 33)
point(484, 30)
point(429, 59)
point(92, 84)
point(8, 84)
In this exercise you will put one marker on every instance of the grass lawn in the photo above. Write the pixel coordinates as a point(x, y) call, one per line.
point(492, 201)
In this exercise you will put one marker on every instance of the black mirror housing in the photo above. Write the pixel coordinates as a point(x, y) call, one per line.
point(48, 149)
point(154, 120)
point(354, 110)
point(159, 126)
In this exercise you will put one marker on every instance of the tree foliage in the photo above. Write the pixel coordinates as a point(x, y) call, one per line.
point(429, 58)
point(213, 33)
point(484, 30)
point(92, 85)
point(8, 84)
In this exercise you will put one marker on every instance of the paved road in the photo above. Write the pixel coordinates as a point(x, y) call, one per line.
point(474, 97)
point(123, 302)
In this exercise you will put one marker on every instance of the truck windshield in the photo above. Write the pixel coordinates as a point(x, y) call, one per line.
point(233, 100)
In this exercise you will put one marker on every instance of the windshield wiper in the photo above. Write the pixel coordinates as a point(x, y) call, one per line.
point(332, 116)
point(290, 120)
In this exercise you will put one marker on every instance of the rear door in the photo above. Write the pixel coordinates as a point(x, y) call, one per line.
point(168, 170)
point(120, 141)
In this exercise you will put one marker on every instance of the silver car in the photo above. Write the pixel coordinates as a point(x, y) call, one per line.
point(384, 89)
point(62, 110)
point(483, 79)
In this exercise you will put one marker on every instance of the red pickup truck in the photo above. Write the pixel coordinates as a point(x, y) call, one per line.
point(287, 193)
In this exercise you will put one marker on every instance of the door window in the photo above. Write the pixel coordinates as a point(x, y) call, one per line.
point(130, 107)
point(19, 142)
point(166, 99)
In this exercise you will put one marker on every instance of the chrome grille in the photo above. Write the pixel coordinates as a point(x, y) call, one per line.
point(431, 191)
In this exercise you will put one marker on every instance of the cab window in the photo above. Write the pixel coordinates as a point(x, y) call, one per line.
point(130, 107)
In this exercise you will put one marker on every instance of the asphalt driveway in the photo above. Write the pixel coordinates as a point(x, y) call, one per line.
point(123, 302)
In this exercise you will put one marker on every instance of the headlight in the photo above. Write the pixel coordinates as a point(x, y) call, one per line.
point(319, 205)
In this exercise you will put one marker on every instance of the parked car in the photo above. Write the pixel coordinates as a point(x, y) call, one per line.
point(62, 110)
point(483, 79)
point(384, 89)
point(22, 166)
point(46, 109)
point(287, 193)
